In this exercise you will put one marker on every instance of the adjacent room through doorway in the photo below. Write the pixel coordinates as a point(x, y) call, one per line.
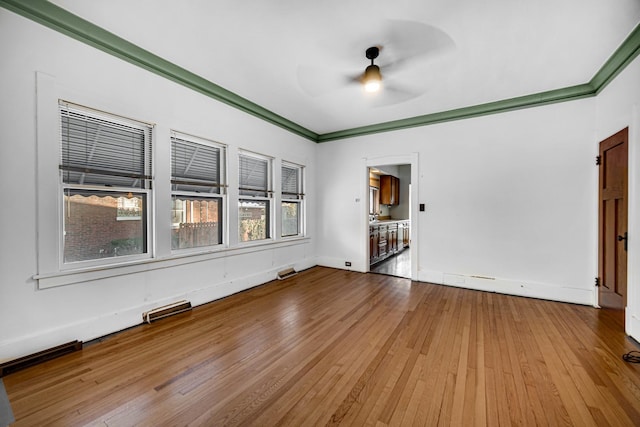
point(390, 220)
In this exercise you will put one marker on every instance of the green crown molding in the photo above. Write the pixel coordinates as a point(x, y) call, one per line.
point(622, 57)
point(56, 18)
point(537, 99)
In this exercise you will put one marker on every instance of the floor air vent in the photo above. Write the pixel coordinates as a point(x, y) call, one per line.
point(166, 310)
point(286, 273)
point(39, 357)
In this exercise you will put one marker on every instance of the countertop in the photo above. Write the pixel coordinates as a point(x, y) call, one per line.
point(387, 221)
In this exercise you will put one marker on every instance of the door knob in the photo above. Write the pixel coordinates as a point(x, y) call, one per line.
point(621, 238)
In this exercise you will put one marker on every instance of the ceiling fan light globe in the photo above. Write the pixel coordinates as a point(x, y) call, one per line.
point(372, 86)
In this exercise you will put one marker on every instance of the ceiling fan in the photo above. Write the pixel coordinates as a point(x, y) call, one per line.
point(405, 49)
point(371, 79)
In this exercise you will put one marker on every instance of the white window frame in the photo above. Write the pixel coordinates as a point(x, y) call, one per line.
point(267, 197)
point(51, 272)
point(222, 185)
point(294, 197)
point(146, 189)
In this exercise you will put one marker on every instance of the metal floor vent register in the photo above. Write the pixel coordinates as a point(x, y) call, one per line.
point(286, 273)
point(166, 311)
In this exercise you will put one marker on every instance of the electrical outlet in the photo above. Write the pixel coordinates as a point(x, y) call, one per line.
point(347, 263)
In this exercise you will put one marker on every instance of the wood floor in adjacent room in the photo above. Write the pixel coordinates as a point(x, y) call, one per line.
point(336, 347)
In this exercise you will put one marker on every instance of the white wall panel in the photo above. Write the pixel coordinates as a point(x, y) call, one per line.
point(510, 196)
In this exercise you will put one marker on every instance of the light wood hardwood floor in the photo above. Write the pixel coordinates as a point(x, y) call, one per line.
point(335, 347)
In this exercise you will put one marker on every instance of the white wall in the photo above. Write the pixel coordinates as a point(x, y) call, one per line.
point(32, 319)
point(618, 106)
point(510, 196)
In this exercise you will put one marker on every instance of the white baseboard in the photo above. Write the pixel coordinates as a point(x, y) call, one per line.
point(339, 263)
point(430, 276)
point(632, 325)
point(92, 328)
point(99, 326)
point(523, 288)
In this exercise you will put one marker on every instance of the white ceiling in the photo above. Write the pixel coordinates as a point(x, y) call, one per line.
point(294, 57)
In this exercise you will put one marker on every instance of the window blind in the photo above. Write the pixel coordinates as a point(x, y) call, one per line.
point(98, 151)
point(291, 182)
point(254, 176)
point(194, 166)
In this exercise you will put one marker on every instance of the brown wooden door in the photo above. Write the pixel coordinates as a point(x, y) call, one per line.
point(612, 246)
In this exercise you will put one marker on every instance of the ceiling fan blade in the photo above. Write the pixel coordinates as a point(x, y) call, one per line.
point(400, 43)
point(407, 41)
point(355, 78)
point(395, 93)
point(320, 80)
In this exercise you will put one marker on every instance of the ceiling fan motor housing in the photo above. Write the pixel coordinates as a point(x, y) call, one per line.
point(372, 53)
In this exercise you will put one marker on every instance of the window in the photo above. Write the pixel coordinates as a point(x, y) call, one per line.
point(105, 169)
point(197, 191)
point(254, 208)
point(374, 201)
point(292, 197)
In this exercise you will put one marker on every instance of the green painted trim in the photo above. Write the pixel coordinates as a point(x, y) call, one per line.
point(543, 98)
point(56, 18)
point(622, 57)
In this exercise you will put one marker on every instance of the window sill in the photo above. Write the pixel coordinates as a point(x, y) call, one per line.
point(68, 277)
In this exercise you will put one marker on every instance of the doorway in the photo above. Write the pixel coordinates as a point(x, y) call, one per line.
point(612, 223)
point(389, 220)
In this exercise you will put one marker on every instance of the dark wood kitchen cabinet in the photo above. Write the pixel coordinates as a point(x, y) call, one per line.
point(406, 235)
point(389, 190)
point(373, 244)
point(382, 242)
point(387, 239)
point(392, 239)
